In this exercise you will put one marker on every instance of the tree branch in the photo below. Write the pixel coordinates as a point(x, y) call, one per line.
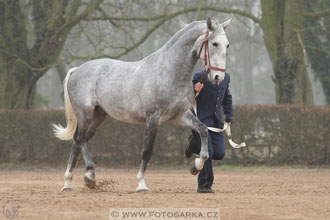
point(199, 9)
point(83, 15)
point(74, 6)
point(317, 14)
point(19, 59)
point(317, 49)
point(184, 11)
point(232, 11)
point(164, 17)
point(301, 42)
point(126, 49)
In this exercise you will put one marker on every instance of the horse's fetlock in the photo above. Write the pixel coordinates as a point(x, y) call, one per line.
point(205, 130)
point(90, 166)
point(204, 156)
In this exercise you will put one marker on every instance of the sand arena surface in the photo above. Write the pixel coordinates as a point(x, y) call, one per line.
point(240, 194)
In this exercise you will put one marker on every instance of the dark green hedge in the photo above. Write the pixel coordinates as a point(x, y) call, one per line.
point(275, 135)
point(282, 134)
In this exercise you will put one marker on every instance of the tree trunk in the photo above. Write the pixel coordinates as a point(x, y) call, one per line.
point(24, 61)
point(17, 87)
point(281, 22)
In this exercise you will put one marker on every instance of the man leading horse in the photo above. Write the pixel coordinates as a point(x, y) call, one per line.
point(212, 100)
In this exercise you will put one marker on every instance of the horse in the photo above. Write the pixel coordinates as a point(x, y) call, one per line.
point(153, 90)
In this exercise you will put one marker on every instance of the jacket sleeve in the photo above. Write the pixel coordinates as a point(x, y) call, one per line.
point(196, 78)
point(228, 105)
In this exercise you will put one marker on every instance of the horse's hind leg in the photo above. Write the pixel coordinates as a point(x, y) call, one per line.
point(98, 117)
point(85, 131)
point(71, 164)
point(79, 145)
point(149, 140)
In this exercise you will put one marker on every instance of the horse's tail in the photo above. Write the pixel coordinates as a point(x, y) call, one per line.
point(71, 119)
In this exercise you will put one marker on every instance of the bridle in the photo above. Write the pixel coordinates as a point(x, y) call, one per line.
point(207, 57)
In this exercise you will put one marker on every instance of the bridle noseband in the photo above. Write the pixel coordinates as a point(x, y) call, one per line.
point(206, 59)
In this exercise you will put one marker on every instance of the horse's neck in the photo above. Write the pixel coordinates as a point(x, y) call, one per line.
point(181, 51)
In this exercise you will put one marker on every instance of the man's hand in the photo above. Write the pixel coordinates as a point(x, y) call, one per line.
point(198, 87)
point(228, 123)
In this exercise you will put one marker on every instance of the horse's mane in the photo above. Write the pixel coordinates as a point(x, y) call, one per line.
point(184, 30)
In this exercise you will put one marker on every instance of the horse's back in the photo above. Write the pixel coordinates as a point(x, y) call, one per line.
point(83, 82)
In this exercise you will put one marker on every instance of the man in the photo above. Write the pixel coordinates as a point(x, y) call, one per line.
point(212, 100)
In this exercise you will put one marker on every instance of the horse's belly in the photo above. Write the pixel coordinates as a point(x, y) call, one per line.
point(126, 116)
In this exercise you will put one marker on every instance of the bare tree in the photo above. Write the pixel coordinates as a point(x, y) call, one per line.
point(33, 34)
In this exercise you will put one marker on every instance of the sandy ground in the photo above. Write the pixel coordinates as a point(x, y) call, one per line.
point(240, 194)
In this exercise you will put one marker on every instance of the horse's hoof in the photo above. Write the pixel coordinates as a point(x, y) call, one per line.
point(90, 183)
point(142, 190)
point(66, 189)
point(193, 169)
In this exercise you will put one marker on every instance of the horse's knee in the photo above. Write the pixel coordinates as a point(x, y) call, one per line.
point(218, 156)
point(203, 131)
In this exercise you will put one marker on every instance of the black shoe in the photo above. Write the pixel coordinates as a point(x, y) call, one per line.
point(203, 189)
point(194, 146)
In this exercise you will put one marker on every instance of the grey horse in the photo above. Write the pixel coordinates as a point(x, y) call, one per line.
point(153, 90)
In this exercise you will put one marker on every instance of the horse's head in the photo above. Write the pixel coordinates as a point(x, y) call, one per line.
point(212, 49)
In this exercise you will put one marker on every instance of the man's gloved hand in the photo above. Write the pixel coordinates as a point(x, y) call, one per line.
point(198, 87)
point(228, 123)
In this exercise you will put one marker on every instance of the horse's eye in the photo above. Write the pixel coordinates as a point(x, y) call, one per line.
point(215, 44)
point(227, 45)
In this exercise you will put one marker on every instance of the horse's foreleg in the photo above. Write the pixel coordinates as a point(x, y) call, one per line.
point(189, 120)
point(141, 178)
point(149, 140)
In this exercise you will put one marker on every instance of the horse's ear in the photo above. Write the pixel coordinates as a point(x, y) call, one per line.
point(209, 24)
point(226, 23)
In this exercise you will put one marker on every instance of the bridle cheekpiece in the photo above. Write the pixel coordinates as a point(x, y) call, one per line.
point(207, 57)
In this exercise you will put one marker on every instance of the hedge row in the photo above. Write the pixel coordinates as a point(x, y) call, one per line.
point(275, 135)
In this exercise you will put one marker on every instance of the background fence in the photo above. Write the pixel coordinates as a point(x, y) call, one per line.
point(275, 135)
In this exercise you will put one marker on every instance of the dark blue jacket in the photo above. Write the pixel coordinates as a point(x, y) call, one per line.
point(213, 100)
